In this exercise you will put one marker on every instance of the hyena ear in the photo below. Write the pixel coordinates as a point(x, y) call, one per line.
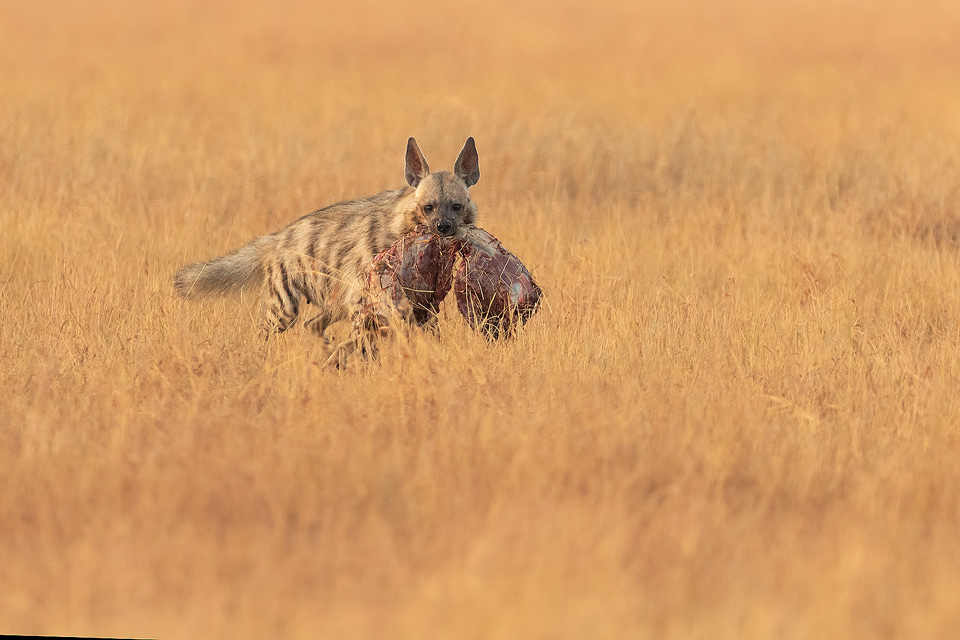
point(467, 166)
point(416, 167)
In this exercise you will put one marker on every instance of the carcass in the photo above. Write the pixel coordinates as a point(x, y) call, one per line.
point(410, 279)
point(406, 283)
point(495, 291)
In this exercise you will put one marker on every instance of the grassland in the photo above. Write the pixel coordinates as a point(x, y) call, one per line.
point(737, 416)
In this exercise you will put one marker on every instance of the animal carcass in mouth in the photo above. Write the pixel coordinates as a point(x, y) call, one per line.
point(410, 279)
point(495, 291)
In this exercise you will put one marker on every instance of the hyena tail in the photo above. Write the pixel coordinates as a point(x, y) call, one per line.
point(224, 275)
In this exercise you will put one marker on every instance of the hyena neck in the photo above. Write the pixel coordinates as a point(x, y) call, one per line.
point(406, 214)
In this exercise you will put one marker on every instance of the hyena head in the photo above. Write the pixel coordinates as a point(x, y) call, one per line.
point(442, 198)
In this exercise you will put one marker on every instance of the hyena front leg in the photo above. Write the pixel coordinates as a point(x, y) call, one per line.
point(362, 338)
point(280, 301)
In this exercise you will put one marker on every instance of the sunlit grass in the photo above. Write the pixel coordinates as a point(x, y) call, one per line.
point(735, 415)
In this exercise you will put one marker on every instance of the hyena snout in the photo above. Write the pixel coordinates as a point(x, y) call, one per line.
point(451, 219)
point(446, 227)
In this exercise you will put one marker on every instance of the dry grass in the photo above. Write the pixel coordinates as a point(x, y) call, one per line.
point(736, 418)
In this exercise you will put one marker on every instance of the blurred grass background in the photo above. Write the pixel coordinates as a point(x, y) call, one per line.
point(735, 417)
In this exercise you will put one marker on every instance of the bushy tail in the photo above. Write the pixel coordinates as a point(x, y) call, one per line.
point(224, 275)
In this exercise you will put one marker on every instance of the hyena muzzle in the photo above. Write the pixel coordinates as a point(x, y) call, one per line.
point(316, 260)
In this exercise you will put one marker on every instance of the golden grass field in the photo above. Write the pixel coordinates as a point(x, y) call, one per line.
point(736, 416)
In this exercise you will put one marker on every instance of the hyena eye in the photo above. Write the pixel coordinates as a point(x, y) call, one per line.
point(457, 207)
point(428, 208)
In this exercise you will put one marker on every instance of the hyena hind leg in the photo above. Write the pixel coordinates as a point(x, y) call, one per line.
point(280, 302)
point(275, 318)
point(366, 343)
point(317, 324)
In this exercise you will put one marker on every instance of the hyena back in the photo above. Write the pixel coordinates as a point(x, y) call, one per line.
point(317, 259)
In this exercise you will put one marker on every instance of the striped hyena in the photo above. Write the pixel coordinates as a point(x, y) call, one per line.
point(317, 259)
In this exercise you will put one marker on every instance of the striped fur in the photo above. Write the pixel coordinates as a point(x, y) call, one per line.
point(316, 259)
